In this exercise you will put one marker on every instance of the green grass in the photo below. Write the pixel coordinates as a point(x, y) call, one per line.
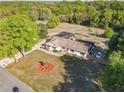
point(70, 73)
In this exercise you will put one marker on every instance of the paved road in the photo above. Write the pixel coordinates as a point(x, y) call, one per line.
point(8, 81)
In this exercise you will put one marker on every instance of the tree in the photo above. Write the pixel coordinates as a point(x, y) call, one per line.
point(117, 43)
point(117, 21)
point(34, 14)
point(63, 18)
point(43, 31)
point(78, 18)
point(120, 41)
point(99, 5)
point(98, 13)
point(6, 47)
point(106, 16)
point(20, 32)
point(71, 19)
point(92, 16)
point(44, 13)
point(108, 33)
point(113, 75)
point(116, 5)
point(53, 22)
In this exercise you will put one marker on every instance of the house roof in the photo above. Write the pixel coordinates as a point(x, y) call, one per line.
point(65, 35)
point(57, 41)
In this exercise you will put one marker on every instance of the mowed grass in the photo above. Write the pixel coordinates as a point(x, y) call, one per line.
point(26, 71)
point(69, 74)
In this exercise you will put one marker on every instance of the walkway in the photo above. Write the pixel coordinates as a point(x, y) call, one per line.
point(8, 81)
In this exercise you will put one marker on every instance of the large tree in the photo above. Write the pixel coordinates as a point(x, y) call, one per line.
point(105, 18)
point(108, 33)
point(20, 33)
point(92, 16)
point(117, 43)
point(113, 75)
point(53, 22)
point(118, 19)
point(43, 31)
point(6, 47)
point(44, 13)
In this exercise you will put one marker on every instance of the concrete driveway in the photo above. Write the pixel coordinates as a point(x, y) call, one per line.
point(8, 81)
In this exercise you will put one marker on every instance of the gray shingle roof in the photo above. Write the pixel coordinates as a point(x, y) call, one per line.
point(66, 35)
point(57, 41)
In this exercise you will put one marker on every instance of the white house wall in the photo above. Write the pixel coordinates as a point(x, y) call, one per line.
point(70, 51)
point(67, 50)
point(78, 54)
point(51, 48)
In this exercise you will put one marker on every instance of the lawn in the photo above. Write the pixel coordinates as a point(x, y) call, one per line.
point(70, 73)
point(26, 71)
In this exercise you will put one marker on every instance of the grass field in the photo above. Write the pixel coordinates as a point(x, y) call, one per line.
point(26, 71)
point(70, 74)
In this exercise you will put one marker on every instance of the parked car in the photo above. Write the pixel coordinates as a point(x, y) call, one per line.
point(99, 55)
point(15, 89)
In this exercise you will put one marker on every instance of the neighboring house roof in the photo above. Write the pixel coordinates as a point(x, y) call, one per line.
point(57, 41)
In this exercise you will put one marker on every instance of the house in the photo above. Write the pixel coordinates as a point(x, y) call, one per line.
point(68, 44)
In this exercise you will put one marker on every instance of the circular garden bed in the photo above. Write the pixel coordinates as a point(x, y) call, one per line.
point(45, 67)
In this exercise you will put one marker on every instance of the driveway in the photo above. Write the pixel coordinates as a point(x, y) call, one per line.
point(8, 81)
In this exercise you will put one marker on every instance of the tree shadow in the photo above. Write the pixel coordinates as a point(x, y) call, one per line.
point(79, 75)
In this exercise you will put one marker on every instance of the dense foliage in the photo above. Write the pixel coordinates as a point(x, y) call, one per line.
point(17, 33)
point(43, 31)
point(113, 76)
point(44, 13)
point(53, 22)
point(117, 42)
point(99, 14)
point(108, 33)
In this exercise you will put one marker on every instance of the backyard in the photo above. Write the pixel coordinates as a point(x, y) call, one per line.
point(82, 32)
point(69, 73)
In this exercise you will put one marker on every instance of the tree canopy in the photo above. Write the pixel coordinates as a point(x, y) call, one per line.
point(108, 33)
point(96, 13)
point(17, 32)
point(53, 22)
point(112, 77)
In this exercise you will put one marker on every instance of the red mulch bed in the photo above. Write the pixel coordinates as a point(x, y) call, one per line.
point(46, 67)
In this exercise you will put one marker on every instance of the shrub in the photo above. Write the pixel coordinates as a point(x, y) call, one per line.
point(43, 31)
point(53, 22)
point(108, 33)
point(34, 15)
point(63, 18)
point(112, 78)
point(44, 13)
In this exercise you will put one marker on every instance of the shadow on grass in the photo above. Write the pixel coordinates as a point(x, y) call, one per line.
point(79, 75)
